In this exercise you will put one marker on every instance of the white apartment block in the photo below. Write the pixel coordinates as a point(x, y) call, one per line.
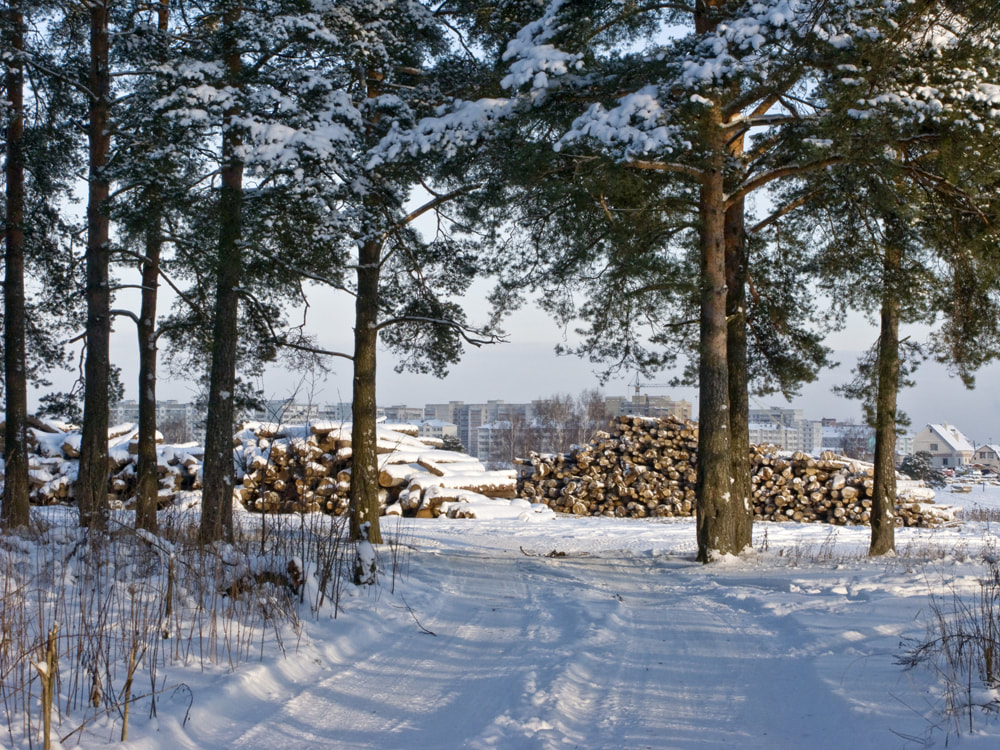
point(787, 428)
point(178, 422)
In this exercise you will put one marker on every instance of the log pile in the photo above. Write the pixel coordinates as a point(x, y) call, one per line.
point(54, 450)
point(307, 468)
point(647, 467)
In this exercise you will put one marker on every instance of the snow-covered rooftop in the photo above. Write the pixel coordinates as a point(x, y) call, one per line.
point(952, 436)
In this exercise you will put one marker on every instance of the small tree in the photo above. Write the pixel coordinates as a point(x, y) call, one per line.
point(920, 466)
point(452, 443)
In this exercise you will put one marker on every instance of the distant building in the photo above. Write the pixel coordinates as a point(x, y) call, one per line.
point(288, 411)
point(177, 422)
point(436, 428)
point(988, 456)
point(492, 443)
point(468, 418)
point(787, 428)
point(337, 412)
point(904, 445)
point(769, 433)
point(848, 439)
point(403, 413)
point(644, 405)
point(948, 447)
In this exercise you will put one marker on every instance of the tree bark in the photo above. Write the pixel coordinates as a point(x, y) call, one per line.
point(736, 359)
point(148, 484)
point(716, 521)
point(883, 525)
point(364, 467)
point(218, 482)
point(92, 482)
point(15, 510)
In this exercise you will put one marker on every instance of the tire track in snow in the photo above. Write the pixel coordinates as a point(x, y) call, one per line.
point(581, 652)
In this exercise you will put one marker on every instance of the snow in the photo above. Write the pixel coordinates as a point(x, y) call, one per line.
point(536, 630)
point(534, 59)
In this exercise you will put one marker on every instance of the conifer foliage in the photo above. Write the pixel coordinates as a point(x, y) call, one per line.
point(724, 102)
point(654, 157)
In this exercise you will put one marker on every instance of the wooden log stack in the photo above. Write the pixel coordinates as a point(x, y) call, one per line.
point(307, 468)
point(646, 467)
point(54, 450)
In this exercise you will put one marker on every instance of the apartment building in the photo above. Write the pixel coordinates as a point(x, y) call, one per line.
point(177, 422)
point(788, 428)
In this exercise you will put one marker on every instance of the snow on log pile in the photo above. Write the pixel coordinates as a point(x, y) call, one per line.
point(303, 468)
point(647, 467)
point(54, 450)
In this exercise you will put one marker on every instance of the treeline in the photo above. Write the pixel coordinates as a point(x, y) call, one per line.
point(679, 181)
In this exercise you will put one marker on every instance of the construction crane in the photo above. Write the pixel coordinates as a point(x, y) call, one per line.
point(639, 385)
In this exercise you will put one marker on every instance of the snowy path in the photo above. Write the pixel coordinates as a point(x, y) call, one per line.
point(595, 652)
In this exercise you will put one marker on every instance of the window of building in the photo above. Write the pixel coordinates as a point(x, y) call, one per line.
point(944, 461)
point(934, 446)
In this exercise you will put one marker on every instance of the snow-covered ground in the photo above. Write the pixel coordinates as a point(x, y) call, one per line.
point(545, 631)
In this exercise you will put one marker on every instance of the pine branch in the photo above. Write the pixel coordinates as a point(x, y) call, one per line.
point(466, 332)
point(282, 341)
point(776, 174)
point(783, 211)
point(661, 166)
point(125, 314)
point(170, 282)
point(60, 77)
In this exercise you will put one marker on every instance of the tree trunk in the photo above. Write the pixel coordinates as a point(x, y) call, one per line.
point(736, 355)
point(364, 466)
point(148, 484)
point(217, 492)
point(92, 482)
point(717, 522)
point(15, 510)
point(883, 526)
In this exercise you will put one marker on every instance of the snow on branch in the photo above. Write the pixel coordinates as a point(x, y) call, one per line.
point(461, 124)
point(535, 59)
point(532, 57)
point(640, 123)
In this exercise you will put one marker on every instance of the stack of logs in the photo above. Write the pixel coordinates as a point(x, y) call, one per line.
point(647, 467)
point(54, 450)
point(307, 468)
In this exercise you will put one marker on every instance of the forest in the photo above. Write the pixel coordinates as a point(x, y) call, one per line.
point(681, 181)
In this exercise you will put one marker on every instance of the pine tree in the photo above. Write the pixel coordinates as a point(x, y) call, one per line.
point(15, 511)
point(723, 101)
point(92, 481)
point(36, 177)
point(297, 97)
point(912, 212)
point(156, 162)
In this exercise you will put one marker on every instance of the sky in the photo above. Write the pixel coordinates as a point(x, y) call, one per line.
point(527, 368)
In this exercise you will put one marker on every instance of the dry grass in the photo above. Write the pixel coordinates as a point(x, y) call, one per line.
point(962, 648)
point(89, 621)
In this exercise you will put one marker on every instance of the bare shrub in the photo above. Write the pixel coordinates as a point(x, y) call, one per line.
point(962, 647)
point(128, 603)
